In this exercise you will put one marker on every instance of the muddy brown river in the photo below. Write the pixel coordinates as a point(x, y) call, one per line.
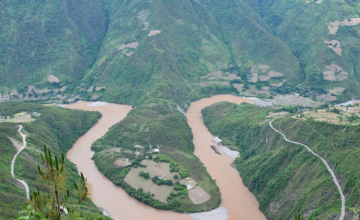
point(236, 198)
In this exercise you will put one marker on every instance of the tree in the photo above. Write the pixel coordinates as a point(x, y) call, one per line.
point(51, 205)
point(298, 217)
point(336, 111)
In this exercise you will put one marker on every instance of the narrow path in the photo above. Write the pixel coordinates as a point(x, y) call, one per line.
point(342, 214)
point(13, 163)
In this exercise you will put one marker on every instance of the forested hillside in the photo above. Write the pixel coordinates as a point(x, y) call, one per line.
point(42, 38)
point(58, 129)
point(286, 178)
point(161, 55)
point(323, 35)
point(174, 50)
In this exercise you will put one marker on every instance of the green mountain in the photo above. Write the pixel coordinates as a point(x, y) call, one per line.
point(137, 50)
point(322, 35)
point(161, 55)
point(42, 38)
point(286, 178)
point(57, 128)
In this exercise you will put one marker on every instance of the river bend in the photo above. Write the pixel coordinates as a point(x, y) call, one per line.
point(240, 203)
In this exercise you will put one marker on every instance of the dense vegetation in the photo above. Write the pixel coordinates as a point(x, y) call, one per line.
point(81, 46)
point(286, 178)
point(147, 131)
point(48, 37)
point(58, 128)
point(12, 197)
point(295, 22)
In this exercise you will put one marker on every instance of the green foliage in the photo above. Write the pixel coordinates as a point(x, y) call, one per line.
point(58, 128)
point(291, 109)
point(12, 198)
point(49, 42)
point(184, 173)
point(163, 158)
point(353, 117)
point(356, 211)
point(174, 166)
point(156, 124)
point(335, 110)
point(123, 172)
point(80, 45)
point(181, 191)
point(52, 204)
point(277, 171)
point(145, 175)
point(160, 182)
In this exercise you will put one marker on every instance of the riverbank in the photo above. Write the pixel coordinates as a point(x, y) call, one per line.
point(240, 203)
point(236, 198)
point(105, 194)
point(284, 176)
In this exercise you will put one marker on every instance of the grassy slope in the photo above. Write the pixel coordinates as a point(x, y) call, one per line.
point(303, 28)
point(165, 67)
point(12, 198)
point(56, 127)
point(286, 178)
point(197, 37)
point(39, 38)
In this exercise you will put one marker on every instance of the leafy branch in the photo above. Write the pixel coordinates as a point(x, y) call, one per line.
point(55, 202)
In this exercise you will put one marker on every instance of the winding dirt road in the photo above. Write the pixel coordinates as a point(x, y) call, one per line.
point(342, 214)
point(13, 163)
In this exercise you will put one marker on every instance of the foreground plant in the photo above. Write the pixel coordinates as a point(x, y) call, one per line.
point(356, 210)
point(299, 217)
point(54, 204)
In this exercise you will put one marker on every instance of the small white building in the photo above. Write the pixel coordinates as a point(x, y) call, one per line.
point(218, 141)
point(162, 177)
point(36, 114)
point(139, 146)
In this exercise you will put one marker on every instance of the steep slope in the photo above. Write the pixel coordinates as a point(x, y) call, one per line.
point(42, 38)
point(56, 127)
point(162, 48)
point(12, 197)
point(158, 55)
point(323, 35)
point(285, 177)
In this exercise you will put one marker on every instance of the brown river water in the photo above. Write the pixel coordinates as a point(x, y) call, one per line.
point(236, 198)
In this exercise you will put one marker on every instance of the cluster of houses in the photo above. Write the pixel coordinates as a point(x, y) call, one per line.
point(36, 114)
point(140, 149)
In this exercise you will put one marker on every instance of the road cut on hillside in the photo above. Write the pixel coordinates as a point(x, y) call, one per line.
point(342, 214)
point(13, 163)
